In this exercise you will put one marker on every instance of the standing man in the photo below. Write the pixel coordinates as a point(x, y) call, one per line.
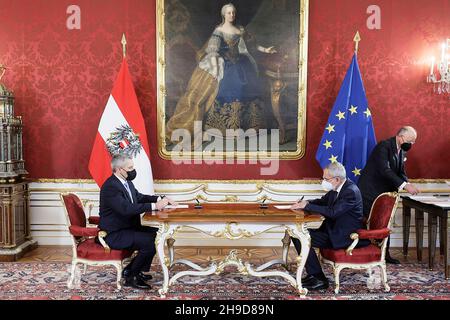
point(343, 211)
point(385, 171)
point(120, 208)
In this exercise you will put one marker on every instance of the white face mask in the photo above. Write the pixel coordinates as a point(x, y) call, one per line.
point(327, 186)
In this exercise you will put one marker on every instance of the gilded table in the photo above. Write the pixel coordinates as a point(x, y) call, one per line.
point(232, 222)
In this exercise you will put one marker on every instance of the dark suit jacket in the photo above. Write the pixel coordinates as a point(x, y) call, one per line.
point(384, 172)
point(116, 210)
point(343, 215)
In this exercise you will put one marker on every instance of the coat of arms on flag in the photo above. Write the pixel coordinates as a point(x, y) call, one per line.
point(124, 140)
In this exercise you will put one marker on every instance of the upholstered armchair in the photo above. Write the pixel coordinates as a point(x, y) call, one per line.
point(84, 248)
point(373, 255)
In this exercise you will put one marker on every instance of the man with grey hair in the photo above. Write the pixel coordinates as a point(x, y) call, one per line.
point(342, 208)
point(120, 208)
point(385, 171)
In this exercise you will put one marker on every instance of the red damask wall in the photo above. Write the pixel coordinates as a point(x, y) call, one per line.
point(62, 79)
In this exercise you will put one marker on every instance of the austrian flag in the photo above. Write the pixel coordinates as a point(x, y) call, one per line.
point(122, 130)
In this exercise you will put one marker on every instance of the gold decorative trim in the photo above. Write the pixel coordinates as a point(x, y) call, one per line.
point(61, 180)
point(250, 181)
point(229, 233)
point(302, 92)
point(204, 181)
point(232, 259)
point(202, 197)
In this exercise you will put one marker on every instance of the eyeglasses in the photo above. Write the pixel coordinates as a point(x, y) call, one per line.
point(327, 179)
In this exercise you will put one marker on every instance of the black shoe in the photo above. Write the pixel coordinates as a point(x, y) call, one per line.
point(145, 277)
point(391, 260)
point(306, 280)
point(126, 271)
point(136, 283)
point(317, 284)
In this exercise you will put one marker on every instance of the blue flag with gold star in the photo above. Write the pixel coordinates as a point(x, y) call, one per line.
point(349, 136)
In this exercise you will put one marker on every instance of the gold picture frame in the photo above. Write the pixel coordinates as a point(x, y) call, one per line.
point(278, 81)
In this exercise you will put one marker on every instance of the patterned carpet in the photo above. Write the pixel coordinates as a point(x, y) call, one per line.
point(47, 280)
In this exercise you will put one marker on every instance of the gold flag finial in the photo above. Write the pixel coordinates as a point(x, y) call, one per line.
point(124, 45)
point(357, 39)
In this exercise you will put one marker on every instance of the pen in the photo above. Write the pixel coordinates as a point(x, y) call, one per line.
point(300, 199)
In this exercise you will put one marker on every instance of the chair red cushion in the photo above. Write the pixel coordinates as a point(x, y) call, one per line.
point(381, 212)
point(83, 232)
point(373, 234)
point(368, 254)
point(75, 210)
point(94, 219)
point(92, 251)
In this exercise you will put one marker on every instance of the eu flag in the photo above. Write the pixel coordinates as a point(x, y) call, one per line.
point(349, 136)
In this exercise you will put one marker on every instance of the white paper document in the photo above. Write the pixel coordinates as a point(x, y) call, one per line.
point(423, 198)
point(283, 207)
point(180, 206)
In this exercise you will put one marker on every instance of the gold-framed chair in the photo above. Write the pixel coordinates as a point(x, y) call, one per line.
point(371, 256)
point(84, 248)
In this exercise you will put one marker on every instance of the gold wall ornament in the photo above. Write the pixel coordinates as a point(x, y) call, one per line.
point(166, 99)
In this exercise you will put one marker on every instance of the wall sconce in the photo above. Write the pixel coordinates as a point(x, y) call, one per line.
point(441, 78)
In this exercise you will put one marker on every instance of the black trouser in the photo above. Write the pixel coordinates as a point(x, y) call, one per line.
point(319, 239)
point(141, 239)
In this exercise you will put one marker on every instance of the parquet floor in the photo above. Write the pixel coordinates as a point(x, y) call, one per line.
point(200, 254)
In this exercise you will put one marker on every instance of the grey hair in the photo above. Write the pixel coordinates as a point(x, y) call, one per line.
point(224, 8)
point(406, 129)
point(336, 169)
point(118, 161)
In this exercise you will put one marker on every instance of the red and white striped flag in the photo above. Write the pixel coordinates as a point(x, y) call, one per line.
point(122, 130)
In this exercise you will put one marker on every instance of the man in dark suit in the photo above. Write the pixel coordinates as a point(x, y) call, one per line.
point(120, 208)
point(385, 171)
point(343, 211)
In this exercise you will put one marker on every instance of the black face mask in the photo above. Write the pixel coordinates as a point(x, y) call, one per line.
point(131, 175)
point(406, 146)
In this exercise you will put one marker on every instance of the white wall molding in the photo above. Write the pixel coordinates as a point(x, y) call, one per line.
point(48, 224)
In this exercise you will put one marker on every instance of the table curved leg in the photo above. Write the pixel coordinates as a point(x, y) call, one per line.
point(160, 241)
point(286, 243)
point(272, 273)
point(170, 243)
point(301, 232)
point(205, 272)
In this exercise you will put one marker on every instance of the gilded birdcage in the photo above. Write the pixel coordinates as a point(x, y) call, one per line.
point(12, 165)
point(15, 234)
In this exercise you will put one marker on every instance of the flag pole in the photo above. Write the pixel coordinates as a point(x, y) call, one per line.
point(124, 45)
point(357, 39)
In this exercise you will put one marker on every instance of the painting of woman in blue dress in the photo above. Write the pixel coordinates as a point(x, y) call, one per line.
point(224, 91)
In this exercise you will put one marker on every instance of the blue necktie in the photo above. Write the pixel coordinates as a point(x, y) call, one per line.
point(129, 191)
